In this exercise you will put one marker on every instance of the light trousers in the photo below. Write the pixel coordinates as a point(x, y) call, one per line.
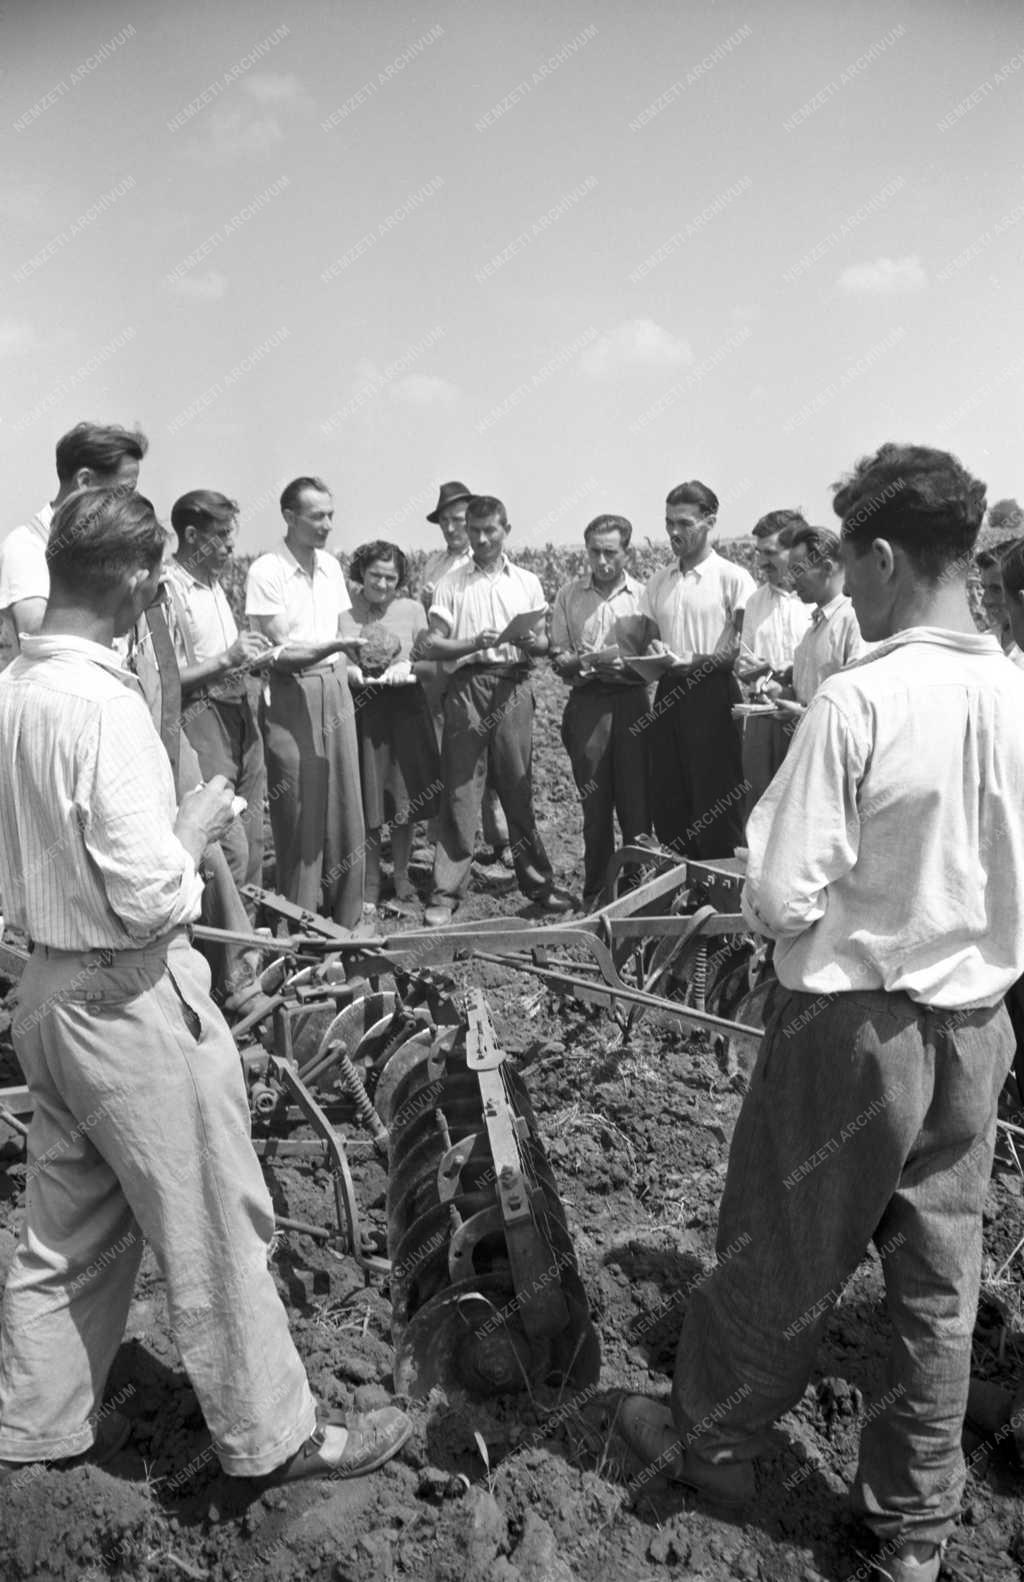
point(141, 1129)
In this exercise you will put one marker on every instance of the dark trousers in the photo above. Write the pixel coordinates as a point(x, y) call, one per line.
point(609, 765)
point(697, 784)
point(434, 681)
point(316, 805)
point(868, 1119)
point(227, 742)
point(488, 726)
point(765, 745)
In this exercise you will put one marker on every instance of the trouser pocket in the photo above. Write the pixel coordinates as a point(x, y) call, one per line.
point(193, 1021)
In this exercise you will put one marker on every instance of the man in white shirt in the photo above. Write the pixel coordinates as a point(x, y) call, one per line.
point(774, 621)
point(296, 596)
point(488, 711)
point(89, 456)
point(449, 514)
point(607, 702)
point(214, 659)
point(697, 785)
point(887, 862)
point(833, 638)
point(140, 1126)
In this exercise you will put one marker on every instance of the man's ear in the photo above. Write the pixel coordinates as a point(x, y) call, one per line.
point(85, 478)
point(884, 557)
point(508, 528)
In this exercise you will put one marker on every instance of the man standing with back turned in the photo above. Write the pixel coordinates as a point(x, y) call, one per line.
point(141, 1121)
point(887, 862)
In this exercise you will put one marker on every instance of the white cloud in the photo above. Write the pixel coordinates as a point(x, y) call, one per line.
point(275, 88)
point(638, 343)
point(209, 287)
point(235, 132)
point(16, 338)
point(425, 390)
point(884, 277)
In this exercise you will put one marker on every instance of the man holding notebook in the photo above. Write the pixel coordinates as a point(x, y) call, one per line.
point(608, 703)
point(695, 610)
point(487, 618)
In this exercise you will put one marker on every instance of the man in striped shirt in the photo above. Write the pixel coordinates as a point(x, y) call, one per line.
point(141, 1123)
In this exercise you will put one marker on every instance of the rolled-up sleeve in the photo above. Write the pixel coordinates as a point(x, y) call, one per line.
point(805, 831)
point(126, 809)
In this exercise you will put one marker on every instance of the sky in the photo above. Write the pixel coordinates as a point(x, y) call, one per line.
point(570, 255)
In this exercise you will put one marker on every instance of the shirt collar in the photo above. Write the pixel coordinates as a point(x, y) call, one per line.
point(700, 568)
point(625, 585)
point(52, 647)
point(982, 644)
point(504, 565)
point(176, 569)
point(42, 520)
point(825, 612)
point(294, 565)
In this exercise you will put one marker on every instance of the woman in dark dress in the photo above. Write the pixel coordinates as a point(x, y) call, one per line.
point(398, 756)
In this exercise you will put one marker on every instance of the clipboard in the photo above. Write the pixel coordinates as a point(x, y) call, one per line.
point(522, 627)
point(651, 666)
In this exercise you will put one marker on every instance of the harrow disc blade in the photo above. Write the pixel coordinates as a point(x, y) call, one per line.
point(466, 1338)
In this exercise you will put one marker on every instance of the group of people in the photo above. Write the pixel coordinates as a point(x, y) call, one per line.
point(349, 705)
point(883, 764)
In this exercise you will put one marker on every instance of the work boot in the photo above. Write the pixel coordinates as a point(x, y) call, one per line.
point(333, 1451)
point(438, 915)
point(644, 1429)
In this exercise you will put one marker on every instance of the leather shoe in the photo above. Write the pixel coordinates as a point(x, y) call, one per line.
point(555, 901)
point(333, 1451)
point(438, 916)
point(644, 1429)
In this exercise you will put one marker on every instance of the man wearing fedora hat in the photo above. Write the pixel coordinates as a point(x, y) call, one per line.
point(449, 514)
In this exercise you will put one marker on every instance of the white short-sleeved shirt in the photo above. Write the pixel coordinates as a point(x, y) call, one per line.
point(470, 601)
point(773, 623)
point(310, 605)
point(694, 610)
point(23, 570)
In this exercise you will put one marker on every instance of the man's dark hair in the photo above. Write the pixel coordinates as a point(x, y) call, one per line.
point(291, 494)
point(784, 523)
point(364, 557)
point(822, 544)
point(922, 500)
point(1009, 557)
point(608, 524)
point(694, 493)
point(985, 559)
point(99, 536)
point(482, 505)
point(101, 446)
point(202, 509)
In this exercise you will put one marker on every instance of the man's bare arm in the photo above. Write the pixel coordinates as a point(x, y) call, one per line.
point(298, 656)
